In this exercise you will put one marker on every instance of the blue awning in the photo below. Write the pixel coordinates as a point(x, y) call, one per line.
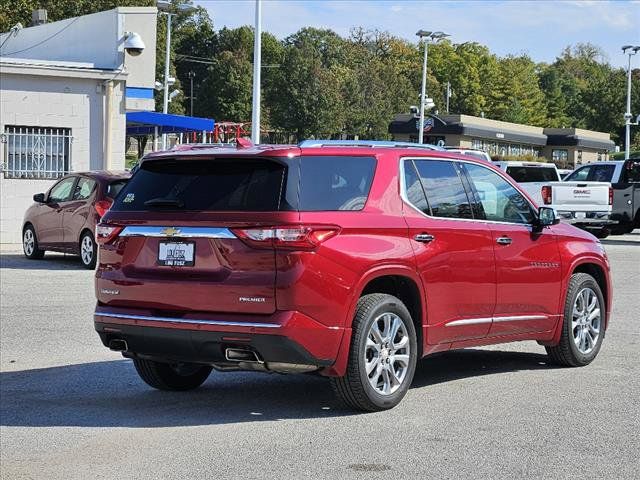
point(144, 123)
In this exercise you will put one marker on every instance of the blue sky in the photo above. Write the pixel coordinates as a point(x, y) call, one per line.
point(539, 28)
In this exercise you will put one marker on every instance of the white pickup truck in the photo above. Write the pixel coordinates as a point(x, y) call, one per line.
point(584, 204)
point(531, 176)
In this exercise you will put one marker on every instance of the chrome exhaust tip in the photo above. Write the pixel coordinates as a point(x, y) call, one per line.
point(241, 355)
point(118, 345)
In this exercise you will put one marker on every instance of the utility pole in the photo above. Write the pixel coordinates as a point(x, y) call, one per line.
point(257, 61)
point(448, 94)
point(191, 75)
point(165, 103)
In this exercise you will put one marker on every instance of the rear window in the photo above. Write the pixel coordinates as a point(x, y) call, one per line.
point(335, 183)
point(532, 174)
point(113, 189)
point(205, 185)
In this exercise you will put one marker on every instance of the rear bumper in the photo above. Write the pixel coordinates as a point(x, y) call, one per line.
point(284, 337)
point(584, 217)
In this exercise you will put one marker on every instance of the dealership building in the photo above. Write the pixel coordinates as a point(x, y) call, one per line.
point(65, 89)
point(569, 146)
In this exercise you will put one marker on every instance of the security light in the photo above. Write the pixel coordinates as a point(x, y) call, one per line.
point(133, 44)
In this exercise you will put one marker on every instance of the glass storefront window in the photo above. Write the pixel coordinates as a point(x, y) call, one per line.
point(559, 155)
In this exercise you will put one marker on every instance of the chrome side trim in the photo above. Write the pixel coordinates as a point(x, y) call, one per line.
point(176, 232)
point(519, 318)
point(220, 323)
point(476, 321)
point(469, 321)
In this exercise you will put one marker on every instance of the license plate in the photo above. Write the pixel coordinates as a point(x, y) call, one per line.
point(581, 214)
point(176, 254)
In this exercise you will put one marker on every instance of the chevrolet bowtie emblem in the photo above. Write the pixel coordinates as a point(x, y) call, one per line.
point(171, 231)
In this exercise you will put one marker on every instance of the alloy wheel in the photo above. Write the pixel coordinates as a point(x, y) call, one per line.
point(386, 353)
point(29, 242)
point(586, 320)
point(86, 250)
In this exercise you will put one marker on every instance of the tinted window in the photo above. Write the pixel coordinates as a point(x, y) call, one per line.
point(220, 185)
point(601, 173)
point(443, 187)
point(62, 191)
point(113, 189)
point(413, 188)
point(532, 174)
point(84, 188)
point(500, 201)
point(632, 170)
point(579, 175)
point(335, 183)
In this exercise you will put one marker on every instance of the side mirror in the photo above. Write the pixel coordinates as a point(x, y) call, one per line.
point(39, 197)
point(546, 218)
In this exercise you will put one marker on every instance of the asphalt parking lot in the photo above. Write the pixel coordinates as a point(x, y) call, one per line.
point(71, 409)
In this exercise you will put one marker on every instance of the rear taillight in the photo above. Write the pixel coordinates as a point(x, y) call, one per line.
point(546, 195)
point(610, 196)
point(290, 237)
point(103, 206)
point(106, 233)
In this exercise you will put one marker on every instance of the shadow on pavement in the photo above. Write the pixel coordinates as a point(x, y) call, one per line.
point(51, 261)
point(614, 241)
point(110, 394)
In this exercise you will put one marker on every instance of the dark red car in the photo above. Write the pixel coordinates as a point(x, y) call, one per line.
point(64, 218)
point(350, 261)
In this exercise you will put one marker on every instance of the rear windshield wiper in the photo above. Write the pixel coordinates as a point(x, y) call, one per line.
point(164, 202)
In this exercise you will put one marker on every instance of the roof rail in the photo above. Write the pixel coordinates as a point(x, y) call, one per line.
point(366, 143)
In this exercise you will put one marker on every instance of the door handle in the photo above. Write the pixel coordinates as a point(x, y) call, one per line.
point(504, 241)
point(424, 238)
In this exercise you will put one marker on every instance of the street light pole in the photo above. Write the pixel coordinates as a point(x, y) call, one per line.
point(434, 37)
point(629, 50)
point(165, 103)
point(423, 93)
point(257, 61)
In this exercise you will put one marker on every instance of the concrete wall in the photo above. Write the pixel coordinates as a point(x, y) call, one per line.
point(65, 102)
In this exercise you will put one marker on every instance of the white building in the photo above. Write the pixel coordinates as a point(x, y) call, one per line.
point(64, 90)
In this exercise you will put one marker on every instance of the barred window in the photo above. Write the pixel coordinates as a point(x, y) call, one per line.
point(36, 152)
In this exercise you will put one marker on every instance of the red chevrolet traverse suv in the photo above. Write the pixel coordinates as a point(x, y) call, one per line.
point(348, 259)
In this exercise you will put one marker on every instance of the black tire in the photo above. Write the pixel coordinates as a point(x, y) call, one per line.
point(30, 247)
point(601, 233)
point(622, 228)
point(567, 353)
point(88, 256)
point(167, 376)
point(354, 388)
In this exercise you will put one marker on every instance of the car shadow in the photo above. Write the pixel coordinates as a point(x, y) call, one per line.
point(110, 394)
point(613, 241)
point(51, 261)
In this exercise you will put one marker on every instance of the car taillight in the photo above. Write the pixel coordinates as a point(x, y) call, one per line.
point(106, 233)
point(610, 196)
point(546, 195)
point(294, 237)
point(102, 206)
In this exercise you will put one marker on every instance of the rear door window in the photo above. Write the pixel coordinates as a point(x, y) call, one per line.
point(443, 186)
point(228, 184)
point(84, 188)
point(524, 174)
point(601, 173)
point(335, 183)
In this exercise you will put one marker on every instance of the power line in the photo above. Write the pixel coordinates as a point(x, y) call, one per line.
point(46, 39)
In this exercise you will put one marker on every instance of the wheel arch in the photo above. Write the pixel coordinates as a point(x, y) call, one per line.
point(400, 281)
